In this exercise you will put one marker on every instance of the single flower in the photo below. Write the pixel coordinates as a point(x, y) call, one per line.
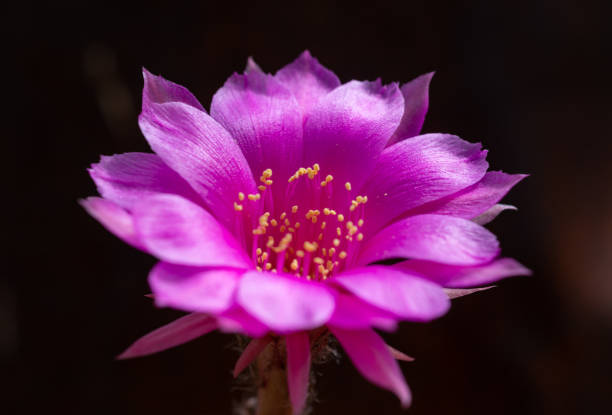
point(273, 214)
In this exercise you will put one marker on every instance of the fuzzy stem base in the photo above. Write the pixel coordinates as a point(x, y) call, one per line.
point(272, 394)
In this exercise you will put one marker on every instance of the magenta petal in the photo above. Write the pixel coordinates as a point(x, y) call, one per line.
point(178, 231)
point(397, 355)
point(298, 369)
point(238, 320)
point(252, 66)
point(437, 238)
point(195, 146)
point(114, 218)
point(420, 170)
point(308, 80)
point(160, 90)
point(349, 127)
point(404, 295)
point(127, 178)
point(204, 290)
point(493, 212)
point(250, 353)
point(173, 334)
point(453, 276)
point(474, 200)
point(373, 360)
point(416, 102)
point(264, 118)
point(462, 292)
point(285, 303)
point(352, 313)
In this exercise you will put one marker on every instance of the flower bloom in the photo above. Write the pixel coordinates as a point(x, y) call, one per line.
point(270, 215)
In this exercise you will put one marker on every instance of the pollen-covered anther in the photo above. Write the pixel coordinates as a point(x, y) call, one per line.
point(240, 196)
point(310, 246)
point(238, 207)
point(347, 186)
point(254, 197)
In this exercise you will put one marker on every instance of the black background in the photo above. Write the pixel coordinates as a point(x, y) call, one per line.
point(531, 80)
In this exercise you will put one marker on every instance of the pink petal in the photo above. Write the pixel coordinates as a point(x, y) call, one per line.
point(437, 238)
point(298, 369)
point(127, 178)
point(285, 303)
point(373, 360)
point(490, 214)
point(250, 353)
point(420, 170)
point(160, 90)
point(114, 218)
point(178, 332)
point(352, 313)
point(252, 66)
point(462, 292)
point(204, 290)
point(403, 295)
point(349, 127)
point(416, 102)
point(474, 200)
point(237, 320)
point(454, 276)
point(181, 232)
point(264, 118)
point(195, 146)
point(308, 80)
point(397, 355)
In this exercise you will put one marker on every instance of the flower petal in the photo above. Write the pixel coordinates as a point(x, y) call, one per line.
point(373, 360)
point(250, 353)
point(420, 170)
point(238, 320)
point(453, 276)
point(173, 334)
point(349, 127)
point(416, 102)
point(195, 146)
point(474, 200)
point(437, 238)
point(308, 80)
point(493, 212)
point(114, 218)
point(285, 303)
point(204, 290)
point(352, 313)
point(264, 118)
point(406, 296)
point(127, 178)
point(178, 231)
point(298, 369)
point(397, 355)
point(160, 90)
point(462, 292)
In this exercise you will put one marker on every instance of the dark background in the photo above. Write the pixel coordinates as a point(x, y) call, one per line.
point(531, 80)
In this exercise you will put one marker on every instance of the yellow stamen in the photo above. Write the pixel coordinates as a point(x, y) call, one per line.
point(237, 207)
point(347, 185)
point(240, 196)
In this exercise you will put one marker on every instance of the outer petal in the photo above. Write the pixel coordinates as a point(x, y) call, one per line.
point(462, 292)
point(285, 303)
point(474, 200)
point(308, 80)
point(181, 232)
point(491, 213)
point(264, 118)
point(199, 149)
point(420, 170)
point(298, 369)
point(250, 353)
point(349, 127)
point(127, 178)
point(203, 290)
point(416, 102)
point(453, 276)
point(178, 332)
point(160, 90)
point(437, 238)
point(352, 313)
point(373, 360)
point(238, 320)
point(114, 218)
point(397, 355)
point(406, 296)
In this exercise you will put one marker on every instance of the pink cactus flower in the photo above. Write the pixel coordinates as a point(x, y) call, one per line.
point(273, 214)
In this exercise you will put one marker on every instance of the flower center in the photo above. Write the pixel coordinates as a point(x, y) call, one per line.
point(309, 231)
